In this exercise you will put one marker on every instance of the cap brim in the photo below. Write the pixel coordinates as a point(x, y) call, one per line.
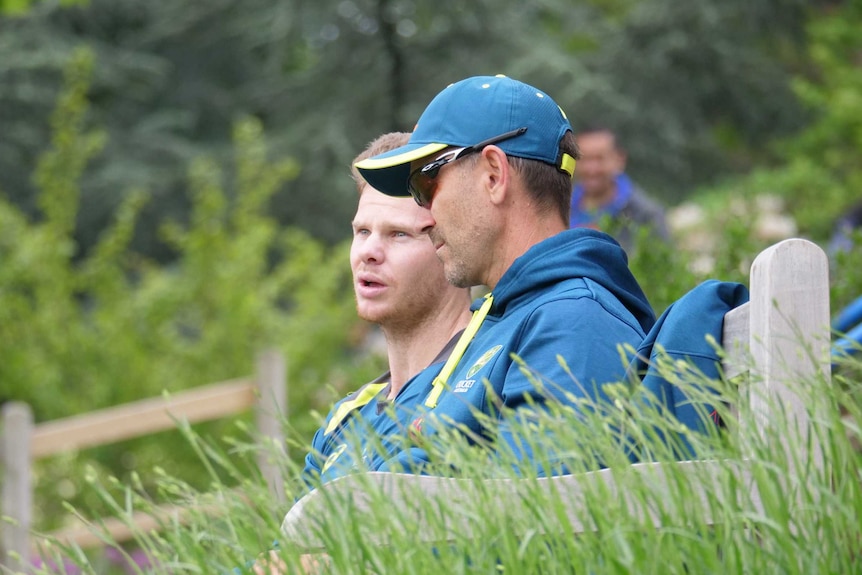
point(388, 172)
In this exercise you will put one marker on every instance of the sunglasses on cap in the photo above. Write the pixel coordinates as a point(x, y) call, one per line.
point(422, 182)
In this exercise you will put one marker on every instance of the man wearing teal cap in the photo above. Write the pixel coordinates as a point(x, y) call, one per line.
point(492, 159)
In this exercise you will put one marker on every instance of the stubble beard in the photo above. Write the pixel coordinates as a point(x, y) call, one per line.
point(454, 269)
point(403, 314)
point(455, 266)
point(458, 247)
point(456, 274)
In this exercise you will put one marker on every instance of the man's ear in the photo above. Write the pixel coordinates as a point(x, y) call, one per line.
point(497, 173)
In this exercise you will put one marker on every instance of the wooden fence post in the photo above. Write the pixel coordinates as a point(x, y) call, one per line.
point(271, 379)
point(790, 338)
point(17, 484)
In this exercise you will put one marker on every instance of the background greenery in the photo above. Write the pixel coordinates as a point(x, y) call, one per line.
point(792, 512)
point(174, 188)
point(696, 90)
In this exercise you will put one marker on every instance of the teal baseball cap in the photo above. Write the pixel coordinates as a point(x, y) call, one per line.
point(474, 110)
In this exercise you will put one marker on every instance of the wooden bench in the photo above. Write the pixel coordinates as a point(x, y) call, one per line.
point(781, 337)
point(22, 442)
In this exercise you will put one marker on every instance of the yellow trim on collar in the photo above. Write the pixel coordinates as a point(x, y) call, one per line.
point(366, 394)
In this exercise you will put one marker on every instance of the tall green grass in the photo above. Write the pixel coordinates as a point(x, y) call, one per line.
point(761, 504)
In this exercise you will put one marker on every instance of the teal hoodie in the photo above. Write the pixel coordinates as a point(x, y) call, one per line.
point(570, 297)
point(364, 429)
point(686, 337)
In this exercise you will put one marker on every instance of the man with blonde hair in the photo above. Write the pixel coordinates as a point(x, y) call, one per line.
point(399, 285)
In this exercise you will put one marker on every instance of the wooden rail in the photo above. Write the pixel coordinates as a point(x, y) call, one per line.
point(143, 417)
point(22, 442)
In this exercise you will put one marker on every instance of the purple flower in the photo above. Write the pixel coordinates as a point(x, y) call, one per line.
point(68, 568)
point(131, 562)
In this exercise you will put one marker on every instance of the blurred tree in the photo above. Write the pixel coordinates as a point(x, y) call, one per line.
point(112, 327)
point(18, 7)
point(830, 147)
point(820, 174)
point(693, 88)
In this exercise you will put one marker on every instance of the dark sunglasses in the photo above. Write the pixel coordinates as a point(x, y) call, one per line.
point(422, 182)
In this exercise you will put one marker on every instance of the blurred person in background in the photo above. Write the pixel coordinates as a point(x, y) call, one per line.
point(844, 230)
point(603, 191)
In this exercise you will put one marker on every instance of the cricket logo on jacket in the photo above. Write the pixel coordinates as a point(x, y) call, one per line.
point(480, 363)
point(468, 382)
point(330, 461)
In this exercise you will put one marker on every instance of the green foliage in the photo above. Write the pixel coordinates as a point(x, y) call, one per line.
point(806, 520)
point(91, 331)
point(662, 271)
point(89, 321)
point(819, 175)
point(694, 89)
point(846, 275)
point(834, 92)
point(666, 270)
point(19, 7)
point(824, 158)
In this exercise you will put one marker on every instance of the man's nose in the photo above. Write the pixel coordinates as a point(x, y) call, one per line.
point(429, 225)
point(430, 221)
point(372, 249)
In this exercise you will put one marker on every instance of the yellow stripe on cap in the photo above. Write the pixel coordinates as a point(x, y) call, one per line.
point(568, 164)
point(399, 159)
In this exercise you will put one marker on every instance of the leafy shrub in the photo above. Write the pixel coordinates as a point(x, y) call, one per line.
point(85, 331)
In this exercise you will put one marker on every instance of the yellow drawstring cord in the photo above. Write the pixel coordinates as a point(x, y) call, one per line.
point(440, 382)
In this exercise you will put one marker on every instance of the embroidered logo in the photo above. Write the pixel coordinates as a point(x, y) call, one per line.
point(415, 430)
point(463, 386)
point(333, 456)
point(367, 457)
point(480, 363)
